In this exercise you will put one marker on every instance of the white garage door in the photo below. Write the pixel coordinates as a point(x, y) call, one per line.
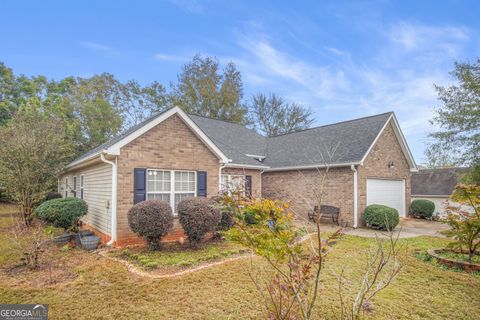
point(387, 192)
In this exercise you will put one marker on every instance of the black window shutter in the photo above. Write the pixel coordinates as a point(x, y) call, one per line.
point(201, 183)
point(248, 185)
point(139, 185)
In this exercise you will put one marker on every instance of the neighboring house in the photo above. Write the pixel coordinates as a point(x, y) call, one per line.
point(173, 155)
point(436, 185)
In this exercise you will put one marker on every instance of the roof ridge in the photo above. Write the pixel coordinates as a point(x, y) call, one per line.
point(333, 124)
point(209, 118)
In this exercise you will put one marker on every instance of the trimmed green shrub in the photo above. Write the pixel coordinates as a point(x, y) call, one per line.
point(62, 213)
point(197, 217)
point(381, 217)
point(152, 220)
point(421, 208)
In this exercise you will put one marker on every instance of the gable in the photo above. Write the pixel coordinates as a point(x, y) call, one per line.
point(171, 142)
point(385, 149)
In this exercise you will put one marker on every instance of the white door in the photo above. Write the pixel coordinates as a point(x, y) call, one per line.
point(387, 192)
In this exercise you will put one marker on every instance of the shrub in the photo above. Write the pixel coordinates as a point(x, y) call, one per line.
point(381, 217)
point(53, 195)
point(152, 220)
point(226, 220)
point(62, 213)
point(422, 208)
point(197, 217)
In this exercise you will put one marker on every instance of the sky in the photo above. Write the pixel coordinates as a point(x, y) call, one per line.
point(343, 59)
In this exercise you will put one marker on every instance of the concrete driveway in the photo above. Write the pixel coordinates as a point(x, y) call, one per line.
point(409, 228)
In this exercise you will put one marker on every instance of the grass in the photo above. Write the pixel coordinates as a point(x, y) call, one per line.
point(102, 289)
point(459, 256)
point(174, 256)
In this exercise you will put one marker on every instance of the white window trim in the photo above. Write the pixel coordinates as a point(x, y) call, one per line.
point(229, 180)
point(172, 191)
point(66, 187)
point(74, 186)
point(82, 186)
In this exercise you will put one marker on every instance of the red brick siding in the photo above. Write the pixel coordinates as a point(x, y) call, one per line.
point(170, 145)
point(386, 149)
point(300, 188)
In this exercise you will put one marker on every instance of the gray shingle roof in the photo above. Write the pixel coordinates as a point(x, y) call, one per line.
point(350, 139)
point(233, 139)
point(436, 182)
point(338, 143)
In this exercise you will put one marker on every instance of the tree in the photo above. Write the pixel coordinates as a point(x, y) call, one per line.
point(32, 152)
point(465, 225)
point(274, 116)
point(203, 90)
point(458, 117)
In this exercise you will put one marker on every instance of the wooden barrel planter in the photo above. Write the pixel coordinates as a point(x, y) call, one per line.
point(464, 265)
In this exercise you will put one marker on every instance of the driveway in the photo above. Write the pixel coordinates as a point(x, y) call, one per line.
point(409, 228)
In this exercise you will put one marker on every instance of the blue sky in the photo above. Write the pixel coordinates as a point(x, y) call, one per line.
point(344, 59)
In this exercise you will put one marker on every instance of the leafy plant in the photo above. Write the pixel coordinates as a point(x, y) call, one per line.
point(152, 220)
point(381, 217)
point(197, 217)
point(421, 208)
point(63, 213)
point(465, 225)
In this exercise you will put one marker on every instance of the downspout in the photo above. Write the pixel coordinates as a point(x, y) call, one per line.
point(261, 172)
point(113, 230)
point(222, 165)
point(355, 197)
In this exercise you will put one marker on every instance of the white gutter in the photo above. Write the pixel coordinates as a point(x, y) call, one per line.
point(245, 166)
point(355, 196)
point(113, 230)
point(312, 166)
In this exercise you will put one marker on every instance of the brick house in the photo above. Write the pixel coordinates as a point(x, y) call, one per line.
point(173, 155)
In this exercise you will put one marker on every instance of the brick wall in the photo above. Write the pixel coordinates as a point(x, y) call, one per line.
point(301, 187)
point(386, 150)
point(170, 145)
point(298, 187)
point(256, 178)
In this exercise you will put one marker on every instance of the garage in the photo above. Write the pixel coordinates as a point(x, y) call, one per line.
point(387, 192)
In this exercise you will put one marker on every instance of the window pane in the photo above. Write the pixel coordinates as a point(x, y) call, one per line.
point(159, 196)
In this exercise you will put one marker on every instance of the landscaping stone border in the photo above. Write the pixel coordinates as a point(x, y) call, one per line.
point(139, 272)
point(469, 267)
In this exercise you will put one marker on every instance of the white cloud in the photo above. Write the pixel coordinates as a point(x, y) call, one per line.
point(432, 42)
point(398, 76)
point(99, 48)
point(169, 57)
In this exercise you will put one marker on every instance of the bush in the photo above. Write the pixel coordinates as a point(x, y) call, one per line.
point(53, 195)
point(226, 220)
point(422, 208)
point(62, 213)
point(152, 220)
point(197, 217)
point(381, 217)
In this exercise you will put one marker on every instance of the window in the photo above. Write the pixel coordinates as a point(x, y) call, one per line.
point(81, 186)
point(184, 186)
point(170, 186)
point(74, 186)
point(233, 184)
point(66, 187)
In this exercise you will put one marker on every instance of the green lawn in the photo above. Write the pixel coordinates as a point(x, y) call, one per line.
point(97, 288)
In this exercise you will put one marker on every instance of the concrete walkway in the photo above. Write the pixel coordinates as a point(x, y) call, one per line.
point(409, 228)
